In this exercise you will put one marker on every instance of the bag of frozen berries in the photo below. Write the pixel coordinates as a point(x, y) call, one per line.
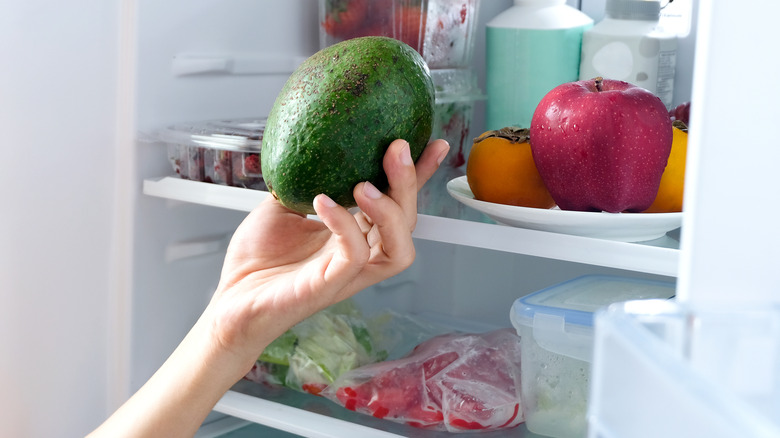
point(455, 382)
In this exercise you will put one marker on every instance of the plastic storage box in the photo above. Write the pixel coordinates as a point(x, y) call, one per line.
point(442, 31)
point(223, 152)
point(556, 338)
point(456, 94)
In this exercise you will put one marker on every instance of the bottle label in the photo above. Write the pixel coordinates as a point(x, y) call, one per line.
point(643, 60)
point(523, 65)
point(665, 86)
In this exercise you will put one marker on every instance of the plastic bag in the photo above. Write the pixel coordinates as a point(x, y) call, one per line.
point(316, 351)
point(453, 382)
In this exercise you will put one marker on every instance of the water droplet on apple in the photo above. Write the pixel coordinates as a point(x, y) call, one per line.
point(576, 128)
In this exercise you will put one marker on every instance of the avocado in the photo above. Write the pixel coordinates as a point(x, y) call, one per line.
point(336, 115)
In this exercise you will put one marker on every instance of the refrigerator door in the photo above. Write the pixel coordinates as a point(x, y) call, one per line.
point(722, 370)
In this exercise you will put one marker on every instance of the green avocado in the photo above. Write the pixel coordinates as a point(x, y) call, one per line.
point(336, 115)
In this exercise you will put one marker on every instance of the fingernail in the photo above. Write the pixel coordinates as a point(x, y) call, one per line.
point(406, 155)
point(326, 201)
point(371, 191)
point(443, 154)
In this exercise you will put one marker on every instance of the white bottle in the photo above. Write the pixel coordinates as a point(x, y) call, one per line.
point(629, 46)
point(532, 47)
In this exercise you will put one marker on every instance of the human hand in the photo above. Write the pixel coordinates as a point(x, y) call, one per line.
point(282, 267)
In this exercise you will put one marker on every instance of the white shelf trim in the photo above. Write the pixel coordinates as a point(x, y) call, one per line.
point(291, 419)
point(599, 252)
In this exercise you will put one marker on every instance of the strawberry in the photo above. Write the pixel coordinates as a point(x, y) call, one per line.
point(409, 26)
point(344, 18)
point(252, 164)
point(313, 388)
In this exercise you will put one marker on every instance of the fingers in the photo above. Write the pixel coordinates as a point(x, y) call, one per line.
point(391, 227)
point(353, 253)
point(407, 179)
point(429, 161)
point(401, 175)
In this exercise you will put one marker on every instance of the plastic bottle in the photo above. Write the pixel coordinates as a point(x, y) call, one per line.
point(628, 45)
point(532, 47)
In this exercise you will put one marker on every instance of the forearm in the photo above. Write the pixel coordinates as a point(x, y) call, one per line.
point(179, 396)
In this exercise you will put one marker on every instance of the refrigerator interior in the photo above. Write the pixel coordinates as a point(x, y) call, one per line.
point(141, 252)
point(187, 59)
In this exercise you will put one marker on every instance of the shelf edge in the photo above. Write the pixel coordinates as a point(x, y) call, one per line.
point(290, 419)
point(215, 195)
point(599, 252)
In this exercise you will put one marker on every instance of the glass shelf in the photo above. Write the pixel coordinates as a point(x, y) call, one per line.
point(312, 416)
point(658, 257)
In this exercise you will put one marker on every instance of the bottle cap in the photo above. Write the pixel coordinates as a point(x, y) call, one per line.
point(634, 9)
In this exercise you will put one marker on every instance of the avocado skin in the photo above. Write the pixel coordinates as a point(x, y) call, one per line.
point(336, 115)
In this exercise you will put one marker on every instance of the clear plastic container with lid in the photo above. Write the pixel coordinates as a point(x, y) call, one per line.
point(456, 93)
point(442, 31)
point(556, 344)
point(629, 45)
point(225, 152)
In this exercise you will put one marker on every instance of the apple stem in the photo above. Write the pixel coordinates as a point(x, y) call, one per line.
point(598, 80)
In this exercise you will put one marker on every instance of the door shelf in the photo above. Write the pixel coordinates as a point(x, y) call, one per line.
point(659, 257)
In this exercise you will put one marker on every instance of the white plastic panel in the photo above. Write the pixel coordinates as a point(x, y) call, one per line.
point(731, 244)
point(644, 385)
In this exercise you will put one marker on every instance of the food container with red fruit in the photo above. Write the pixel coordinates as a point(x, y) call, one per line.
point(442, 31)
point(223, 152)
point(456, 94)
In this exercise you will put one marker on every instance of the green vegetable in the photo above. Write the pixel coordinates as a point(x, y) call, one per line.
point(279, 351)
point(336, 115)
point(321, 348)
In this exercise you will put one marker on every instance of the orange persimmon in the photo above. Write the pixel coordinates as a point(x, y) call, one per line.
point(670, 192)
point(501, 169)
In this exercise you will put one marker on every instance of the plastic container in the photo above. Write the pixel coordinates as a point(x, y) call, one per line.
point(532, 47)
point(223, 152)
point(663, 370)
point(556, 340)
point(629, 45)
point(456, 94)
point(442, 31)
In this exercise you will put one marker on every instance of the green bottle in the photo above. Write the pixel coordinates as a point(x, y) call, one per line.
point(532, 47)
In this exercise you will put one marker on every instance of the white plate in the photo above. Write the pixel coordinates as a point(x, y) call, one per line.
point(626, 227)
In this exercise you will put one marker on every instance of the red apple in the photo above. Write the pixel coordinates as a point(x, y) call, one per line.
point(601, 145)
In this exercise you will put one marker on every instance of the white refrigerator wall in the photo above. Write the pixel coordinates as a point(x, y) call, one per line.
point(58, 116)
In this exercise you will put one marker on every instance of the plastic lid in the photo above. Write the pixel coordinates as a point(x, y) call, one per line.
point(455, 85)
point(234, 135)
point(634, 9)
point(576, 300)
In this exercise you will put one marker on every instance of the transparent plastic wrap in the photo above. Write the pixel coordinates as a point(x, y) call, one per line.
point(316, 351)
point(454, 382)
